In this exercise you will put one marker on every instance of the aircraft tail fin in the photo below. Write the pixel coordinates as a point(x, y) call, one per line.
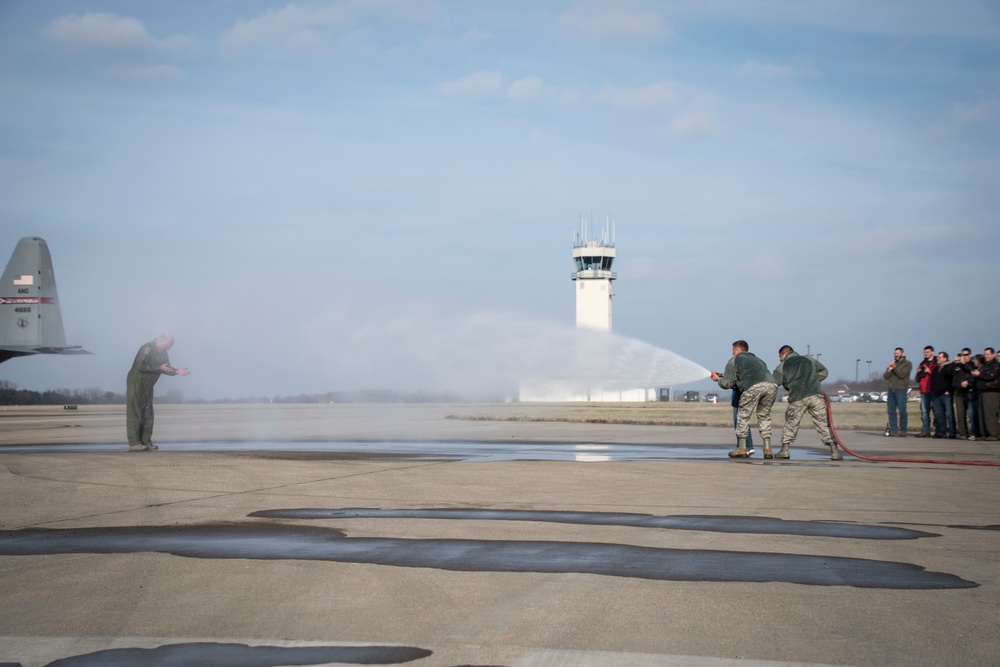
point(30, 319)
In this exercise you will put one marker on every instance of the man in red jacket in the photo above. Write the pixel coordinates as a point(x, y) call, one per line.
point(924, 372)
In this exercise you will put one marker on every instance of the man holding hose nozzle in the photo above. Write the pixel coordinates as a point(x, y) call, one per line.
point(803, 378)
point(750, 375)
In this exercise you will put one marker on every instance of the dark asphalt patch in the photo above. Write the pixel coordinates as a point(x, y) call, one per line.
point(284, 542)
point(213, 654)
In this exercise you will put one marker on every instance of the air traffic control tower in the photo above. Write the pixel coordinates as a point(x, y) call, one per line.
point(593, 278)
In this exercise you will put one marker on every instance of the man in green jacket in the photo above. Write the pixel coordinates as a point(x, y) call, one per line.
point(897, 373)
point(803, 378)
point(750, 375)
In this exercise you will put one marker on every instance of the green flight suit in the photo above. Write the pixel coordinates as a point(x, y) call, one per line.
point(142, 376)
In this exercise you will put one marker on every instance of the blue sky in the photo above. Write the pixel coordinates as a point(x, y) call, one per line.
point(322, 196)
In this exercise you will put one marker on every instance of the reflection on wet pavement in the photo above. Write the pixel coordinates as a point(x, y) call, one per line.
point(457, 451)
point(212, 654)
point(277, 541)
point(718, 524)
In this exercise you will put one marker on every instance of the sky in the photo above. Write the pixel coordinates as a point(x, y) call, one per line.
point(379, 194)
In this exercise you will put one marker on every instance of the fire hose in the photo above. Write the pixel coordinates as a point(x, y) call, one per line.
point(833, 432)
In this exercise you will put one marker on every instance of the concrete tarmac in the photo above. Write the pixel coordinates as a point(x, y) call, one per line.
point(306, 535)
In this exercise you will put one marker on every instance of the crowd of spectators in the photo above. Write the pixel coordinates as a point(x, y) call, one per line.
point(959, 398)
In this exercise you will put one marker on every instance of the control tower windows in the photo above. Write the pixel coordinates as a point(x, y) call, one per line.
point(601, 263)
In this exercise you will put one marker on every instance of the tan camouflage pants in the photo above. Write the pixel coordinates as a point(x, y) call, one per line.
point(760, 397)
point(816, 407)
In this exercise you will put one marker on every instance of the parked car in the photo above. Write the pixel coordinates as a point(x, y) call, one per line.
point(711, 398)
point(692, 396)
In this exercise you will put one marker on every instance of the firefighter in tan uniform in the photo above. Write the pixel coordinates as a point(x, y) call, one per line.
point(745, 371)
point(803, 377)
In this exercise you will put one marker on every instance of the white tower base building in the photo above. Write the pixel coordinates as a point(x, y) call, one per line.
point(568, 391)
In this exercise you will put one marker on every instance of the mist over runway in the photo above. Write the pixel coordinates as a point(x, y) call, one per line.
point(487, 354)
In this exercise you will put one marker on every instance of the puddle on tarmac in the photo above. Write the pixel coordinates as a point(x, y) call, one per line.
point(208, 654)
point(718, 524)
point(213, 654)
point(287, 542)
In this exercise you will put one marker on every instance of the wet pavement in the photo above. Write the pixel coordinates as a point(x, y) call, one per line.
point(454, 451)
point(486, 544)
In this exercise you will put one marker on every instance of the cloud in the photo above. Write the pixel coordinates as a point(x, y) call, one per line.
point(475, 35)
point(293, 26)
point(695, 124)
point(471, 37)
point(110, 32)
point(645, 97)
point(154, 74)
point(478, 84)
point(912, 18)
point(615, 24)
point(100, 31)
point(755, 68)
point(968, 115)
point(976, 112)
point(527, 88)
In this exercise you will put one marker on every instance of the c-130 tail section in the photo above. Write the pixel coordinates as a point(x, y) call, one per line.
point(30, 320)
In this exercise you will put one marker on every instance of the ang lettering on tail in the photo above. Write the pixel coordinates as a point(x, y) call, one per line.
point(30, 320)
